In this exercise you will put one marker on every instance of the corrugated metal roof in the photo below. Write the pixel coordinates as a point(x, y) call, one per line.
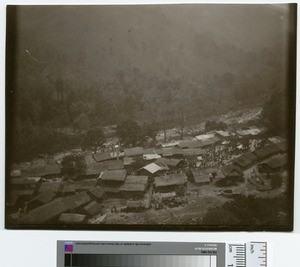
point(97, 192)
point(172, 151)
point(103, 156)
point(77, 200)
point(50, 187)
point(267, 151)
point(45, 213)
point(24, 181)
point(89, 159)
point(51, 169)
point(80, 185)
point(277, 162)
point(231, 170)
point(96, 169)
point(135, 204)
point(152, 151)
point(128, 161)
point(44, 197)
point(132, 187)
point(276, 139)
point(152, 168)
point(193, 152)
point(246, 159)
point(143, 179)
point(111, 189)
point(253, 130)
point(13, 195)
point(190, 144)
point(43, 170)
point(169, 180)
point(169, 144)
point(135, 183)
point(151, 156)
point(93, 208)
point(135, 151)
point(282, 146)
point(200, 177)
point(163, 162)
point(113, 175)
point(204, 136)
point(15, 173)
point(224, 133)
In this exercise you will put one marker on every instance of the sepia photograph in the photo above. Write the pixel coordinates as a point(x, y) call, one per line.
point(150, 117)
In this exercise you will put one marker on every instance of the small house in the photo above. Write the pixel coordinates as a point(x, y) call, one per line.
point(72, 187)
point(134, 206)
point(48, 186)
point(113, 177)
point(169, 183)
point(151, 169)
point(246, 161)
point(151, 156)
point(267, 151)
point(193, 152)
point(200, 178)
point(174, 152)
point(190, 144)
point(274, 164)
point(96, 193)
point(89, 159)
point(229, 175)
point(169, 144)
point(134, 186)
point(133, 152)
point(92, 208)
point(102, 156)
point(45, 213)
point(41, 199)
point(169, 163)
point(94, 170)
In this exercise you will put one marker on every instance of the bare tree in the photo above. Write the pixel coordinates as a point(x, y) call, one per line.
point(181, 119)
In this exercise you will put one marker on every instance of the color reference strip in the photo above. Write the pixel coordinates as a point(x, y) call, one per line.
point(117, 260)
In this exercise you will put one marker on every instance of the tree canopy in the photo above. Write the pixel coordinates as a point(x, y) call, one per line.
point(93, 138)
point(130, 133)
point(73, 165)
point(275, 113)
point(213, 125)
point(249, 211)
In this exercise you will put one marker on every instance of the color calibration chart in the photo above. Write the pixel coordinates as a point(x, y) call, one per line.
point(160, 254)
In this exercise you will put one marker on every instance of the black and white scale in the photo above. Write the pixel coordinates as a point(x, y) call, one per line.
point(72, 253)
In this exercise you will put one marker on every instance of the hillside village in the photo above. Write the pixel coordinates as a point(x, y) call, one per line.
point(174, 182)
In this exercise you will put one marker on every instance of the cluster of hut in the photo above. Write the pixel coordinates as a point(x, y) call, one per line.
point(38, 195)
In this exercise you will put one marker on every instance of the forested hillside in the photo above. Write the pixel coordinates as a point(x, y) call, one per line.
point(85, 66)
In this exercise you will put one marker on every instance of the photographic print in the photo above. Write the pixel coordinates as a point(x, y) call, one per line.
point(150, 117)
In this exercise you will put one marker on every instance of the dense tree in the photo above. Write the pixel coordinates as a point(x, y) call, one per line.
point(130, 133)
point(275, 113)
point(220, 216)
point(94, 138)
point(72, 166)
point(181, 118)
point(213, 125)
point(276, 180)
point(82, 122)
point(150, 130)
point(249, 211)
